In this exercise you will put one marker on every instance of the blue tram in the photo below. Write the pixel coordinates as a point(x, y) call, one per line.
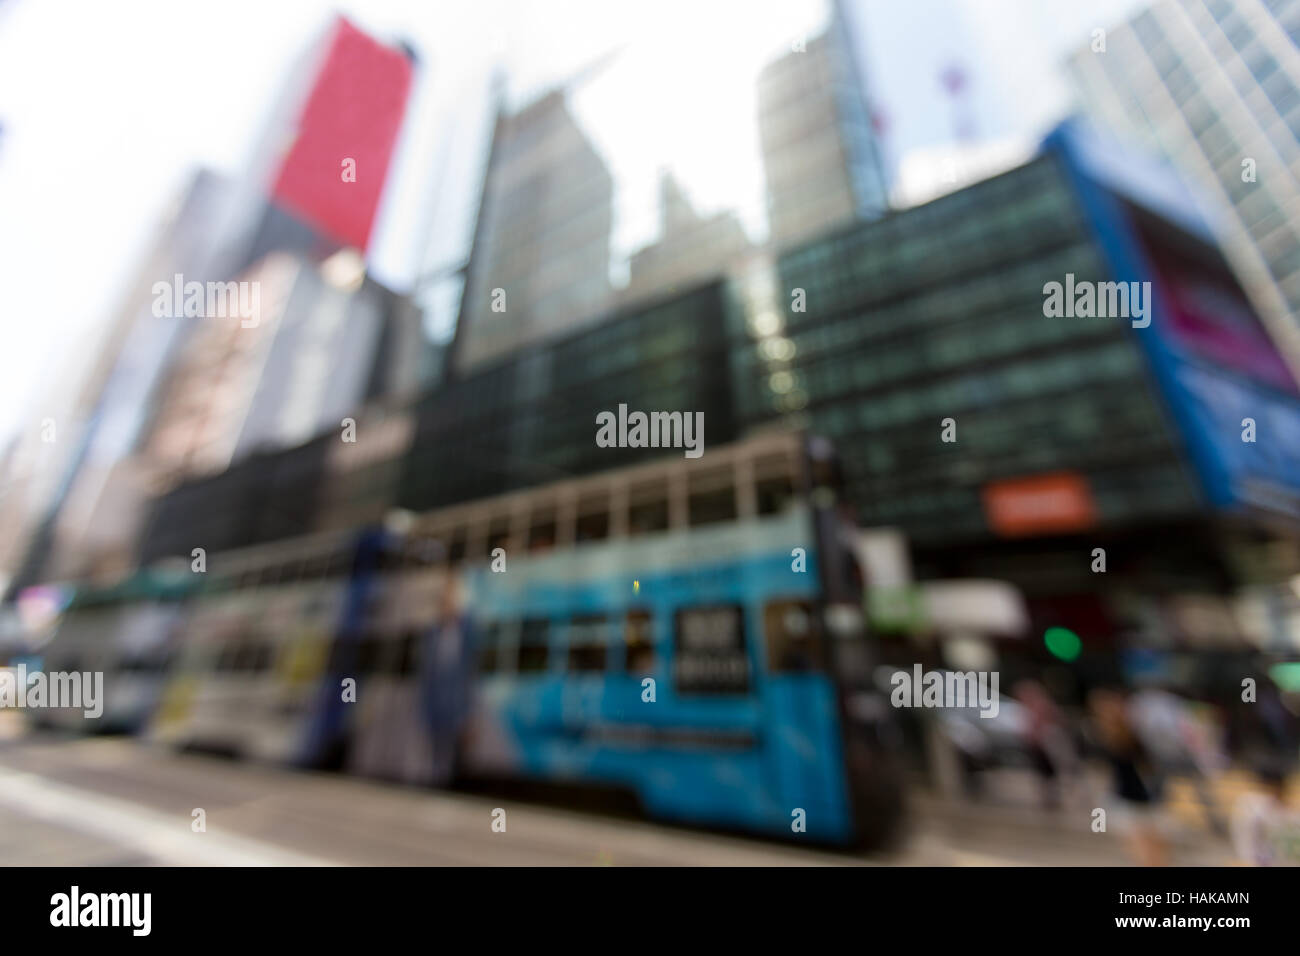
point(688, 631)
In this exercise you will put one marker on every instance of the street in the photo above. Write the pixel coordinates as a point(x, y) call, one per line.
point(111, 801)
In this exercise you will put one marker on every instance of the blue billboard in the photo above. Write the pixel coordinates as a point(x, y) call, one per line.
point(1233, 398)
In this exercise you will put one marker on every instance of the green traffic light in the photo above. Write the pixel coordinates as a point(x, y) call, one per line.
point(1063, 643)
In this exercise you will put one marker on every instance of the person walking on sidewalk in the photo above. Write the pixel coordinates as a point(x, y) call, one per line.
point(1135, 789)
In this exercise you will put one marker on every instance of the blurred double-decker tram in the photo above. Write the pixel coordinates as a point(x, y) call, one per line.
point(686, 631)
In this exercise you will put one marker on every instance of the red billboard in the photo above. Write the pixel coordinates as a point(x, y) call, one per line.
point(333, 172)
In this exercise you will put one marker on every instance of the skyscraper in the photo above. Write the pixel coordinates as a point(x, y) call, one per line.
point(540, 259)
point(690, 247)
point(330, 145)
point(322, 342)
point(1215, 85)
point(313, 189)
point(821, 157)
point(82, 497)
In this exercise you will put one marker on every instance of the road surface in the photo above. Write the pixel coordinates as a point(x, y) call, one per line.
point(117, 802)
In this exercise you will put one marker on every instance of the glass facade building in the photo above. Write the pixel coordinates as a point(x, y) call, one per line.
point(531, 418)
point(262, 498)
point(1215, 85)
point(936, 313)
point(890, 337)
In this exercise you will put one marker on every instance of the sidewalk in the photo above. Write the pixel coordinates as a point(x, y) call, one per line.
point(1008, 826)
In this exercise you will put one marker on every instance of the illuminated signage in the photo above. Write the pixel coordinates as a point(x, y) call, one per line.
point(1042, 504)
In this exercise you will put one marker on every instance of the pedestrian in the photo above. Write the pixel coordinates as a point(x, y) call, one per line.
point(446, 669)
point(1134, 783)
point(1047, 739)
point(1180, 744)
point(1265, 832)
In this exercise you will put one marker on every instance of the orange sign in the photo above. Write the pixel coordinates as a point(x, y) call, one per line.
point(1043, 504)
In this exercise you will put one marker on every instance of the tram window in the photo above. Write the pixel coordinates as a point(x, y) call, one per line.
point(647, 510)
point(340, 563)
point(148, 662)
point(588, 639)
point(456, 545)
point(586, 658)
point(384, 561)
point(498, 534)
point(292, 571)
point(425, 552)
point(774, 494)
point(710, 507)
point(370, 652)
point(592, 527)
point(542, 537)
point(709, 654)
point(202, 659)
point(647, 516)
point(232, 658)
point(262, 657)
point(791, 631)
point(533, 644)
point(490, 657)
point(542, 529)
point(391, 560)
point(406, 656)
point(342, 654)
point(638, 638)
point(317, 566)
point(246, 657)
point(224, 659)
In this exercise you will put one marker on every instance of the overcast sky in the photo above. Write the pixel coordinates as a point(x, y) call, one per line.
point(105, 109)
